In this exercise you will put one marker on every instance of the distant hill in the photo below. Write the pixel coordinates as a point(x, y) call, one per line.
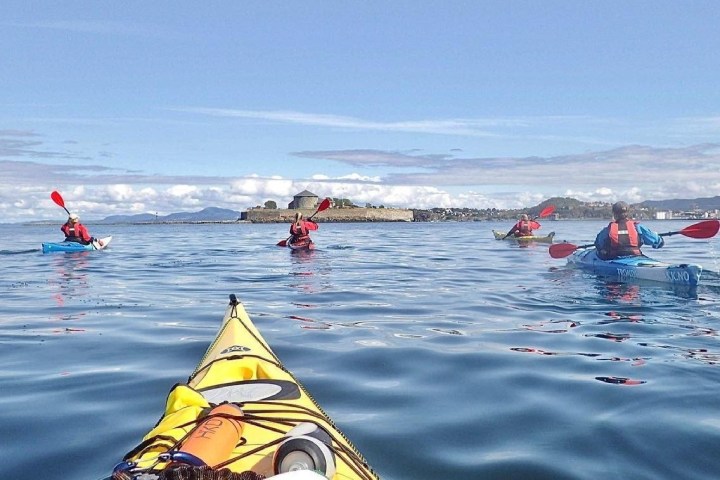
point(210, 214)
point(565, 207)
point(709, 203)
point(141, 218)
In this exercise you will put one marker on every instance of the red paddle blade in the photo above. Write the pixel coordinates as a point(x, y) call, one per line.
point(57, 198)
point(547, 211)
point(324, 205)
point(562, 250)
point(705, 229)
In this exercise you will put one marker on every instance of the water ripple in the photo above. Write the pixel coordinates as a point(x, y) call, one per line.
point(439, 351)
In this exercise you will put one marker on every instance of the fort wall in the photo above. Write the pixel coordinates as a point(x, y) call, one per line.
point(265, 215)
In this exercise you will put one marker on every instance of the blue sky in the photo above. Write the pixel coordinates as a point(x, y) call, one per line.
point(136, 106)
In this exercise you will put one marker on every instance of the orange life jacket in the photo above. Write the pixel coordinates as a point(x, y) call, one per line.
point(299, 230)
point(624, 239)
point(524, 227)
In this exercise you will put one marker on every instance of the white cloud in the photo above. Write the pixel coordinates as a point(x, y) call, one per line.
point(465, 127)
point(262, 187)
point(182, 190)
point(414, 180)
point(120, 192)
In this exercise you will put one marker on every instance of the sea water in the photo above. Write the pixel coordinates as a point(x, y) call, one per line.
point(439, 351)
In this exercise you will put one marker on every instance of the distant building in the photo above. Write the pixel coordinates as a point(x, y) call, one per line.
point(303, 199)
point(308, 202)
point(661, 215)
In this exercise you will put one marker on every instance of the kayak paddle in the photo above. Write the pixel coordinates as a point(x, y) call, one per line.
point(546, 212)
point(57, 198)
point(704, 229)
point(543, 213)
point(324, 205)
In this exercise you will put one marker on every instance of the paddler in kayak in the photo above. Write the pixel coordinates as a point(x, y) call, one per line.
point(624, 236)
point(77, 232)
point(300, 231)
point(524, 227)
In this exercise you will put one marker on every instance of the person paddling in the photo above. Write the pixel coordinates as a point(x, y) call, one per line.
point(300, 230)
point(77, 232)
point(624, 236)
point(524, 227)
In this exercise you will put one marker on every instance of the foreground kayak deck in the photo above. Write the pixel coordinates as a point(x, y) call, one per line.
point(637, 267)
point(50, 247)
point(527, 238)
point(240, 381)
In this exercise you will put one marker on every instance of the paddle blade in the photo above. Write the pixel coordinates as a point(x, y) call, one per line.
point(562, 250)
point(324, 205)
point(547, 211)
point(705, 229)
point(282, 243)
point(57, 198)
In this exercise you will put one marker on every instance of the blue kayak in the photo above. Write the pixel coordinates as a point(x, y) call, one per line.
point(638, 267)
point(100, 244)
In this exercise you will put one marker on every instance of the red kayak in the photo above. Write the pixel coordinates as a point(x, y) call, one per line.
point(306, 244)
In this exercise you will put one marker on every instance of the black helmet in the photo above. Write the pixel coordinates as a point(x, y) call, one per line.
point(620, 209)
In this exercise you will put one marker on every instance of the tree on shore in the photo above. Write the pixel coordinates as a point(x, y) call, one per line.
point(342, 203)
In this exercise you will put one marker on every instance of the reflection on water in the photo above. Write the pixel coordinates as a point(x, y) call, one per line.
point(302, 254)
point(309, 323)
point(704, 356)
point(621, 292)
point(70, 282)
point(309, 271)
point(615, 317)
point(628, 318)
point(552, 326)
point(620, 380)
point(18, 252)
point(397, 330)
point(630, 290)
point(615, 337)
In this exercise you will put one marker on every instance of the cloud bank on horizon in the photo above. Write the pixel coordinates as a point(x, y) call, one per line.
point(415, 180)
point(484, 105)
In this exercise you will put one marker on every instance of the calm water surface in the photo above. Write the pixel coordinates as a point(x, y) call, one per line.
point(439, 351)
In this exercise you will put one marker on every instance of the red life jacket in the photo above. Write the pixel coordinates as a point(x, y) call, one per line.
point(75, 233)
point(524, 227)
point(71, 235)
point(299, 231)
point(624, 238)
point(300, 234)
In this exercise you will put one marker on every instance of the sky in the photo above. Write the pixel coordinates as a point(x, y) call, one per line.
point(167, 106)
